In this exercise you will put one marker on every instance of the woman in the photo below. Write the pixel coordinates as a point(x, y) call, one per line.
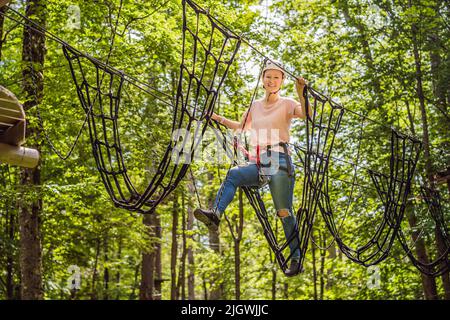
point(269, 121)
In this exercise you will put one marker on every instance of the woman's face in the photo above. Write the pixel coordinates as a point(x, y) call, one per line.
point(272, 80)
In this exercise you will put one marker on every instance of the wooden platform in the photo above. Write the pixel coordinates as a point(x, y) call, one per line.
point(3, 2)
point(12, 119)
point(13, 132)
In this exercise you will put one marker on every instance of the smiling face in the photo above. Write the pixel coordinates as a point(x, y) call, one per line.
point(272, 80)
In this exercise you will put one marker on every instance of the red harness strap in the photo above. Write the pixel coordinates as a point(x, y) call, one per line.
point(257, 159)
point(247, 154)
point(258, 156)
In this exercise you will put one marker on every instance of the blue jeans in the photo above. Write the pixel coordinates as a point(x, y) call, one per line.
point(281, 187)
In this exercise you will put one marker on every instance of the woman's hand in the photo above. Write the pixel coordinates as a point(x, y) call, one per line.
point(300, 84)
point(215, 117)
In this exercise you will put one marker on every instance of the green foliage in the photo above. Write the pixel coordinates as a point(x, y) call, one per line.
point(358, 52)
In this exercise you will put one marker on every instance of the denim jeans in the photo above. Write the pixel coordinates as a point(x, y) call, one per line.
point(281, 187)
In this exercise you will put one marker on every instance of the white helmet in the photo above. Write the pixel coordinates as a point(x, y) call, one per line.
point(273, 65)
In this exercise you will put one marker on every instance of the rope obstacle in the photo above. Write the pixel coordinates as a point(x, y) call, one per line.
point(209, 48)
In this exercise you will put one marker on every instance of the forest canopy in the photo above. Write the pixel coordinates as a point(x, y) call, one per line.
point(65, 233)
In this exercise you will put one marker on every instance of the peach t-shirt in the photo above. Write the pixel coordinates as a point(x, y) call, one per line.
point(270, 125)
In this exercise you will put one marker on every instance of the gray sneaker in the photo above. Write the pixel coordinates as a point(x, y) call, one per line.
point(294, 269)
point(208, 217)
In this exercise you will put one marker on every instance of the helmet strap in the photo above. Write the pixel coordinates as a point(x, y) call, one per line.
point(268, 96)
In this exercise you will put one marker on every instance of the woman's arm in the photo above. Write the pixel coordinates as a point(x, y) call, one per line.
point(234, 125)
point(300, 85)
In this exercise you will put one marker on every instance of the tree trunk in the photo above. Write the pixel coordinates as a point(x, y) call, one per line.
point(286, 291)
point(421, 97)
point(174, 249)
point(274, 275)
point(313, 251)
point(158, 266)
point(33, 55)
point(9, 231)
point(377, 94)
point(428, 283)
point(105, 269)
point(10, 227)
point(439, 85)
point(119, 258)
point(94, 273)
point(205, 288)
point(237, 238)
point(441, 246)
point(332, 255)
point(440, 91)
point(216, 292)
point(181, 286)
point(2, 21)
point(190, 251)
point(273, 265)
point(214, 243)
point(135, 283)
point(426, 145)
point(322, 264)
point(148, 264)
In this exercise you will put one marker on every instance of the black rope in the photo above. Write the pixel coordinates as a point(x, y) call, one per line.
point(141, 85)
point(392, 190)
point(441, 264)
point(198, 85)
point(353, 185)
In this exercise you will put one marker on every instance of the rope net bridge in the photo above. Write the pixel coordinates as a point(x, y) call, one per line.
point(208, 51)
point(380, 190)
point(392, 189)
point(436, 206)
point(203, 69)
